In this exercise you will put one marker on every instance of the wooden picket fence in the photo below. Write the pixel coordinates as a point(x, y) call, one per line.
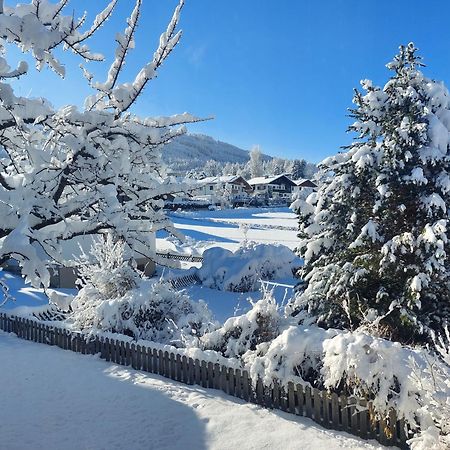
point(330, 410)
point(180, 256)
point(184, 281)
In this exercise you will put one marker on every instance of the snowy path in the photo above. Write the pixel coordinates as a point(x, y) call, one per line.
point(55, 399)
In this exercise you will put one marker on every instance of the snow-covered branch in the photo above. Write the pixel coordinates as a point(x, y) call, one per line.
point(67, 173)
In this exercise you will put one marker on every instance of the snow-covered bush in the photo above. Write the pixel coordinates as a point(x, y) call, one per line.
point(105, 269)
point(242, 270)
point(73, 172)
point(375, 236)
point(441, 344)
point(296, 354)
point(115, 297)
point(242, 333)
point(153, 311)
point(412, 381)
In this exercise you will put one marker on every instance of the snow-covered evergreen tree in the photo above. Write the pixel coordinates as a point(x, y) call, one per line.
point(256, 162)
point(68, 172)
point(298, 169)
point(375, 237)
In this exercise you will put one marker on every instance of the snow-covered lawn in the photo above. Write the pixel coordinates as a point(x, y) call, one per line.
point(55, 399)
point(222, 228)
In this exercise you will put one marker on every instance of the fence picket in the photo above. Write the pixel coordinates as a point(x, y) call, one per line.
point(335, 411)
point(179, 372)
point(173, 369)
point(363, 419)
point(184, 368)
point(155, 361)
point(217, 375)
point(204, 374)
point(223, 379)
point(354, 416)
point(197, 372)
point(210, 375)
point(161, 362)
point(291, 398)
point(276, 395)
point(318, 409)
point(346, 422)
point(231, 389)
point(245, 386)
point(238, 382)
point(259, 391)
point(308, 403)
point(139, 357)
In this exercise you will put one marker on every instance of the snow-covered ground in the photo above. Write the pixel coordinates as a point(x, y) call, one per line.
point(221, 228)
point(55, 399)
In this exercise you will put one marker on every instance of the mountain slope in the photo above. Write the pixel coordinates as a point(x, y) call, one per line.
point(191, 151)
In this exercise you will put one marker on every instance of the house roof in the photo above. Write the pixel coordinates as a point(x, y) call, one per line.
point(305, 182)
point(267, 179)
point(221, 179)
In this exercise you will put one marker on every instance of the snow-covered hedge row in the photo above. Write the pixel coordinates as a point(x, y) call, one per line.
point(241, 271)
point(415, 382)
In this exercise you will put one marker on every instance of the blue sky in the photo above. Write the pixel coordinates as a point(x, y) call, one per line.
point(275, 73)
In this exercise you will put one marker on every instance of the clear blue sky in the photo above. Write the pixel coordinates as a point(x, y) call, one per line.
point(275, 73)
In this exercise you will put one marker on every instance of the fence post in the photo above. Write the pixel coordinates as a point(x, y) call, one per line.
point(275, 395)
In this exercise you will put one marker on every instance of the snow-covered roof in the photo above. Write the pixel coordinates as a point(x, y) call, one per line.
point(265, 180)
point(222, 179)
point(304, 182)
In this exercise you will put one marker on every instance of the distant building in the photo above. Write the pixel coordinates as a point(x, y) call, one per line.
point(303, 185)
point(274, 187)
point(228, 186)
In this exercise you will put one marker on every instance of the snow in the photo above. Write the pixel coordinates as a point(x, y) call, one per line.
point(221, 227)
point(243, 269)
point(24, 295)
point(76, 401)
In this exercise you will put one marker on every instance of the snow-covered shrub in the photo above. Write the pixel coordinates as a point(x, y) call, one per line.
point(114, 297)
point(242, 333)
point(241, 271)
point(294, 355)
point(153, 311)
point(441, 344)
point(106, 270)
point(412, 381)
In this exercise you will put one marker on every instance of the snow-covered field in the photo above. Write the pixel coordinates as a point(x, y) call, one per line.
point(222, 228)
point(54, 399)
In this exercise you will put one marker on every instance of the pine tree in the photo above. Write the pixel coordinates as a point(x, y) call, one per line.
point(298, 169)
point(374, 237)
point(256, 162)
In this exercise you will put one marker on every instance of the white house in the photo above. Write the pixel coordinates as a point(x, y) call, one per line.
point(303, 186)
point(278, 186)
point(230, 187)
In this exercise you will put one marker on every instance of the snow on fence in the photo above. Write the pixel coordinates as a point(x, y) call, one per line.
point(330, 410)
point(180, 257)
point(184, 281)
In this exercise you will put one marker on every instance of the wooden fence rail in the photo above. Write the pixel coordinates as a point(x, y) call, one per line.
point(329, 410)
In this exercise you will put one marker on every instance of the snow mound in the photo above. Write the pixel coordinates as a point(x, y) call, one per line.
point(242, 270)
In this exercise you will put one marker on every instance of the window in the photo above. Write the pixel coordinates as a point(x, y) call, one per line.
point(211, 187)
